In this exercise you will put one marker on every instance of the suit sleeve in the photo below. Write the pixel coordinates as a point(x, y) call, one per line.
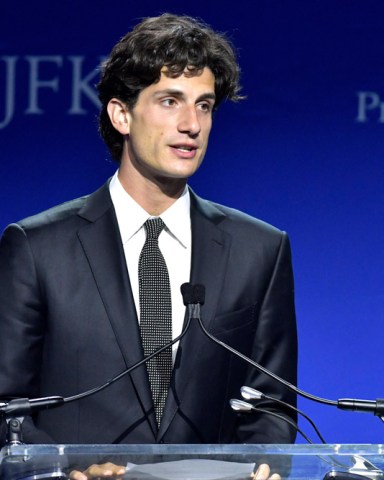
point(22, 322)
point(275, 348)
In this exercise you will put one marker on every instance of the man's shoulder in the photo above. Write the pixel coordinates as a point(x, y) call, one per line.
point(233, 220)
point(55, 214)
point(235, 216)
point(73, 212)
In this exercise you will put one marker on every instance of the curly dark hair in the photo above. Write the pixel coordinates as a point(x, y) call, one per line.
point(176, 42)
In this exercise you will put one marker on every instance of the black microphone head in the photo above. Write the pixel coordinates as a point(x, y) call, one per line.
point(187, 293)
point(199, 294)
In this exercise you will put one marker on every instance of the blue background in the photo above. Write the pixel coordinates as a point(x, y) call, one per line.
point(294, 154)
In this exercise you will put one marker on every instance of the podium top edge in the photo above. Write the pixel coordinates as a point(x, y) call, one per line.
point(195, 449)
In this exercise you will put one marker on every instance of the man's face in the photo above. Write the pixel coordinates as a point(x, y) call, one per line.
point(170, 124)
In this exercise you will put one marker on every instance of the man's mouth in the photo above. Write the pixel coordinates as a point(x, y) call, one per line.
point(185, 151)
point(185, 148)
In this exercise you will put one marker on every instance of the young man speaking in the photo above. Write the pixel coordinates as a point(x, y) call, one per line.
point(90, 287)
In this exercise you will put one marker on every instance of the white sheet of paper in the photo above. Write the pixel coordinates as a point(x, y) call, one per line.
point(192, 469)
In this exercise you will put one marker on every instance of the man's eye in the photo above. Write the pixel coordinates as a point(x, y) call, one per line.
point(169, 102)
point(205, 107)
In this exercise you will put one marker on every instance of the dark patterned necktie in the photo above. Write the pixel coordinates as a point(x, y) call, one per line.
point(155, 314)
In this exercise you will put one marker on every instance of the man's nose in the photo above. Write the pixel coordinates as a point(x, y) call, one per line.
point(189, 121)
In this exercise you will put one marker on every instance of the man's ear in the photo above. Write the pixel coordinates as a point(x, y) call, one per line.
point(119, 115)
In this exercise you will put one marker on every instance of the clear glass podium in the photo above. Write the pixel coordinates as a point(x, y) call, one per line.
point(195, 462)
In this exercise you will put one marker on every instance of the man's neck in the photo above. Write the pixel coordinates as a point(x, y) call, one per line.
point(154, 196)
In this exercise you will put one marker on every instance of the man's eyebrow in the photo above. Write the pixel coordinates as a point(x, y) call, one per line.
point(207, 96)
point(179, 93)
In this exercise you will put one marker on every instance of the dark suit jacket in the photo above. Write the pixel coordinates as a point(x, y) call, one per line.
point(68, 323)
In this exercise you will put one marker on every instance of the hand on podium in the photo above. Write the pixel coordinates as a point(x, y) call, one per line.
point(263, 473)
point(106, 470)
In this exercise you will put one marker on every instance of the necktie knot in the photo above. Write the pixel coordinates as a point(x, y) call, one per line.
point(154, 227)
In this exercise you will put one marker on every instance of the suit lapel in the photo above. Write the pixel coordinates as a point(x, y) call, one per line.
point(101, 242)
point(210, 250)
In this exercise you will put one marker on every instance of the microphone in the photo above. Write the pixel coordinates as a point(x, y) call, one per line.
point(19, 407)
point(197, 294)
point(245, 407)
point(372, 406)
point(376, 407)
point(361, 469)
point(249, 393)
point(193, 297)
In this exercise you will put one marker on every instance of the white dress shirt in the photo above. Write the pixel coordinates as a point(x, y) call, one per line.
point(175, 243)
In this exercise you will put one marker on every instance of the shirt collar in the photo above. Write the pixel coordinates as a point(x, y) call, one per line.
point(131, 216)
point(177, 218)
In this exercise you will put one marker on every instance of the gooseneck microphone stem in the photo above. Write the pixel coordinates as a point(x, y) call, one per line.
point(20, 407)
point(193, 297)
point(259, 367)
point(195, 294)
point(241, 406)
point(130, 369)
point(249, 393)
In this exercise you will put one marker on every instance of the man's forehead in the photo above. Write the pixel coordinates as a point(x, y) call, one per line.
point(199, 84)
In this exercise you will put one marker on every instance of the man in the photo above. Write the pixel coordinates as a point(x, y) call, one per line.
point(71, 286)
